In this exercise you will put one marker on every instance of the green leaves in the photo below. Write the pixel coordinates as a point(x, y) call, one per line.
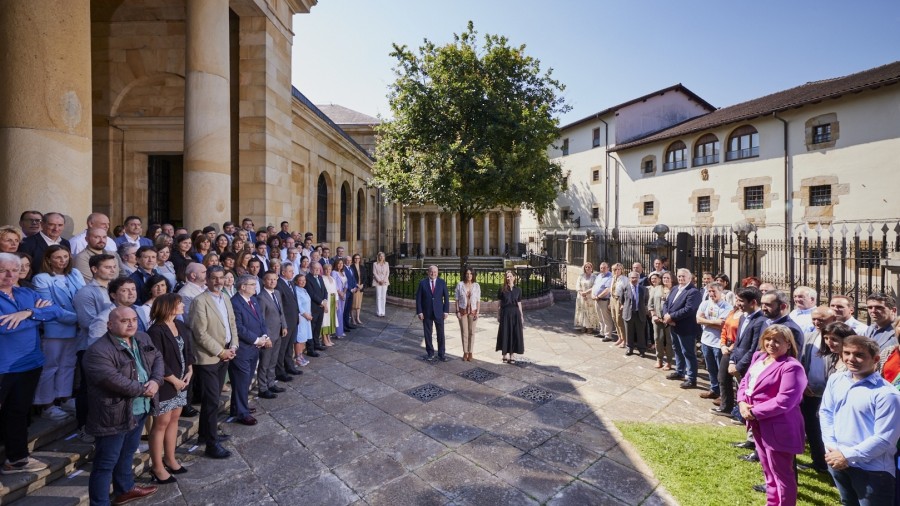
point(471, 127)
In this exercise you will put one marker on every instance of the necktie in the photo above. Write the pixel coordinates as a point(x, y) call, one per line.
point(275, 300)
point(636, 299)
point(252, 307)
point(432, 287)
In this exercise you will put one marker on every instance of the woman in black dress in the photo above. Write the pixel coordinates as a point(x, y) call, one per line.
point(512, 322)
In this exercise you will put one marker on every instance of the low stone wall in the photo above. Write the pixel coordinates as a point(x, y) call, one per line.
point(541, 302)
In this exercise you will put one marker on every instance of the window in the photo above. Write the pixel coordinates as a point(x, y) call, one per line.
point(595, 137)
point(706, 151)
point(595, 213)
point(564, 215)
point(322, 209)
point(595, 175)
point(703, 204)
point(648, 167)
point(820, 195)
point(743, 143)
point(345, 212)
point(565, 183)
point(565, 147)
point(648, 208)
point(676, 157)
point(754, 198)
point(821, 133)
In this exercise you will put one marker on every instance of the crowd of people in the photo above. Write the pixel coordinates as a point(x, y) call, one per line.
point(126, 330)
point(812, 374)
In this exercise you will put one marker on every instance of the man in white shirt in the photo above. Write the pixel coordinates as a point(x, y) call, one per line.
point(133, 229)
point(600, 292)
point(804, 302)
point(195, 284)
point(94, 220)
point(843, 305)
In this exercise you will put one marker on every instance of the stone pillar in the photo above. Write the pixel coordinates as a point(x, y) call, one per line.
point(437, 234)
point(501, 232)
point(471, 236)
point(453, 252)
point(422, 243)
point(407, 232)
point(486, 238)
point(207, 115)
point(45, 108)
point(517, 232)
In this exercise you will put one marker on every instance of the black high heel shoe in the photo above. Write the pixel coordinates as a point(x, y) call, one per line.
point(180, 470)
point(155, 479)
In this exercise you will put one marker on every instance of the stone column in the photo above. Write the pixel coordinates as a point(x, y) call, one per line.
point(453, 252)
point(471, 236)
point(407, 232)
point(486, 238)
point(422, 242)
point(207, 114)
point(517, 231)
point(45, 108)
point(437, 234)
point(501, 232)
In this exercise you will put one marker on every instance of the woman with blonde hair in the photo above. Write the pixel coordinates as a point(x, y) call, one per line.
point(381, 273)
point(586, 317)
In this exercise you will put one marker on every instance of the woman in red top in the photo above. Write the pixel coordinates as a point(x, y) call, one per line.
point(729, 337)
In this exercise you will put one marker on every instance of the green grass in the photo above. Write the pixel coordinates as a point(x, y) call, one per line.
point(698, 466)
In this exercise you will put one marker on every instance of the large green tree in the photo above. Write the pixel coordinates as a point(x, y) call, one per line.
point(470, 130)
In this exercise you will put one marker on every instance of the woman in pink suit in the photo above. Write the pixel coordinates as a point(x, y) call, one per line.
point(769, 400)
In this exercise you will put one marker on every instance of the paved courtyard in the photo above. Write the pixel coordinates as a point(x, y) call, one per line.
point(540, 432)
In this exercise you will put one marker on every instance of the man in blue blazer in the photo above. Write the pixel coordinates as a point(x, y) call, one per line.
point(680, 312)
point(432, 307)
point(252, 333)
point(750, 328)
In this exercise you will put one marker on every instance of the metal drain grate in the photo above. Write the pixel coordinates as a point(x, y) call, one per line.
point(479, 375)
point(427, 392)
point(534, 394)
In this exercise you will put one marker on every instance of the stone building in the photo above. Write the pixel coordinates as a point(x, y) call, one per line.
point(172, 110)
point(820, 153)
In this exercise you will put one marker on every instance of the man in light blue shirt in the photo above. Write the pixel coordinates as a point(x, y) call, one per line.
point(859, 426)
point(600, 293)
point(882, 309)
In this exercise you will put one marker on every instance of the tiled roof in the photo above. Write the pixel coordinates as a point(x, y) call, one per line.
point(675, 87)
point(344, 116)
point(809, 93)
point(305, 101)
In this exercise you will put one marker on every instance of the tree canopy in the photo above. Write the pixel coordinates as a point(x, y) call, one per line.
point(471, 127)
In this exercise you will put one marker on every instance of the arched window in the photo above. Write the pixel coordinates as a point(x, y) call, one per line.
point(360, 213)
point(676, 157)
point(706, 150)
point(345, 212)
point(743, 143)
point(322, 210)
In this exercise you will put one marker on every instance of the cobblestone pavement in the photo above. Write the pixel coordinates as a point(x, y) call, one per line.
point(349, 430)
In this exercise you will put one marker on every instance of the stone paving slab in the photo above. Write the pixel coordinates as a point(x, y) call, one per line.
point(347, 433)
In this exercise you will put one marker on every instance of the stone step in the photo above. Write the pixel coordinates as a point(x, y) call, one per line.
point(43, 431)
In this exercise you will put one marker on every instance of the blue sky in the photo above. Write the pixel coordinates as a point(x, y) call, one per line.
point(605, 52)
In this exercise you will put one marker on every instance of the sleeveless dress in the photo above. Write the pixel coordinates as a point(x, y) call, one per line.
point(510, 338)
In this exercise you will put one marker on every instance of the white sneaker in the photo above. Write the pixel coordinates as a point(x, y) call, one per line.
point(54, 413)
point(26, 465)
point(142, 448)
point(68, 406)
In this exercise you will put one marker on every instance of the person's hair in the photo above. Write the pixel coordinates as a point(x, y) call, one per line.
point(750, 280)
point(118, 230)
point(749, 293)
point(239, 258)
point(161, 240)
point(354, 257)
point(837, 329)
point(117, 283)
point(207, 258)
point(46, 264)
point(146, 293)
point(809, 292)
point(298, 276)
point(11, 258)
point(270, 242)
point(252, 261)
point(214, 269)
point(209, 228)
point(22, 216)
point(655, 275)
point(132, 218)
point(341, 260)
point(270, 271)
point(883, 298)
point(216, 241)
point(152, 230)
point(200, 240)
point(785, 333)
point(704, 273)
point(285, 266)
point(245, 278)
point(715, 284)
point(164, 307)
point(671, 277)
point(724, 280)
point(144, 249)
point(21, 255)
point(8, 229)
point(123, 249)
point(227, 255)
point(259, 243)
point(284, 223)
point(849, 298)
point(95, 260)
point(506, 286)
point(54, 213)
point(380, 255)
point(462, 276)
point(587, 264)
point(181, 238)
point(781, 298)
point(227, 224)
point(866, 343)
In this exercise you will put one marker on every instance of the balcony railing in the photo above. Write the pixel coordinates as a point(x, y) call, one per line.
point(706, 160)
point(678, 164)
point(742, 153)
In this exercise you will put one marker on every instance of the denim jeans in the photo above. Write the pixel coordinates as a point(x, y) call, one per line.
point(113, 458)
point(712, 356)
point(685, 347)
point(863, 488)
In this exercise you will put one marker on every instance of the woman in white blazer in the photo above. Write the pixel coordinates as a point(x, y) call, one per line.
point(468, 295)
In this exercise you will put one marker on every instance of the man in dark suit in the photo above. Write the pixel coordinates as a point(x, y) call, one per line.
point(635, 298)
point(284, 363)
point(775, 306)
point(51, 230)
point(318, 297)
point(750, 328)
point(432, 307)
point(251, 331)
point(680, 310)
point(273, 315)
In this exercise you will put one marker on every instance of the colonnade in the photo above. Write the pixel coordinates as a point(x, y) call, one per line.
point(427, 229)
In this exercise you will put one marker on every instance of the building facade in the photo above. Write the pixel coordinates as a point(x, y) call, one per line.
point(172, 110)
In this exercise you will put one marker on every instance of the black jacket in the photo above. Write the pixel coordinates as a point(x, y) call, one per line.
point(747, 342)
point(165, 342)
